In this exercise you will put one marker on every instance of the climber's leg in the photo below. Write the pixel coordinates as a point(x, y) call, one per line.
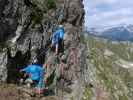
point(53, 44)
point(39, 87)
point(61, 45)
point(56, 48)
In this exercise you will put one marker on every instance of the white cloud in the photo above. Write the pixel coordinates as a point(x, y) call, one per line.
point(108, 12)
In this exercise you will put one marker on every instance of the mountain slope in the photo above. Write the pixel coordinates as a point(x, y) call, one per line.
point(118, 33)
point(109, 73)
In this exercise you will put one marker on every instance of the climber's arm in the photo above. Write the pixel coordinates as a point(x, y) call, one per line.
point(27, 69)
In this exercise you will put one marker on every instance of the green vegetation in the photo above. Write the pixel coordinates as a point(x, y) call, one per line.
point(87, 94)
point(104, 68)
point(39, 9)
point(72, 98)
point(82, 38)
point(123, 97)
point(112, 77)
point(121, 49)
point(36, 16)
point(51, 4)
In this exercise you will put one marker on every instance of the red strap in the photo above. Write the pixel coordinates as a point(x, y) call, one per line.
point(62, 68)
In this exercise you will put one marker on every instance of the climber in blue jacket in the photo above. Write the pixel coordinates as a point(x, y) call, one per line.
point(36, 75)
point(57, 38)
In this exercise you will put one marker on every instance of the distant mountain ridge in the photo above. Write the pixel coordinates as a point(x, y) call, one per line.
point(117, 33)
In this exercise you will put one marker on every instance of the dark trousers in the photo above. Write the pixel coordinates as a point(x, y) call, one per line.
point(61, 45)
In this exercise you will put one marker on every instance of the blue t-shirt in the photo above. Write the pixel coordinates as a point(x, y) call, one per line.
point(36, 71)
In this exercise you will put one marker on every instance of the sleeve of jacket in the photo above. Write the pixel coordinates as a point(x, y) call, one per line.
point(27, 69)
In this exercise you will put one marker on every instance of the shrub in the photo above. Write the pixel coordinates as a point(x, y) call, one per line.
point(51, 4)
point(36, 16)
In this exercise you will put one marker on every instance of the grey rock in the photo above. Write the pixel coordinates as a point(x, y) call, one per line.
point(25, 28)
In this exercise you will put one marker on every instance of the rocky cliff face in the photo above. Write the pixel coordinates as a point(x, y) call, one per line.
point(25, 27)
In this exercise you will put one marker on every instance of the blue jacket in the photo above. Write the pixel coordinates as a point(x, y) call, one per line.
point(36, 71)
point(61, 32)
point(57, 35)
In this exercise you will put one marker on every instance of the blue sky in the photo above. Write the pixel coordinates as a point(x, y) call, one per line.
point(101, 13)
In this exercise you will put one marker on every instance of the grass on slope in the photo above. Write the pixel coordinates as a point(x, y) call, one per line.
point(113, 78)
point(123, 50)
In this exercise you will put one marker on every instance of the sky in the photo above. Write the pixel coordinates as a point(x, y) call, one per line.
point(102, 13)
